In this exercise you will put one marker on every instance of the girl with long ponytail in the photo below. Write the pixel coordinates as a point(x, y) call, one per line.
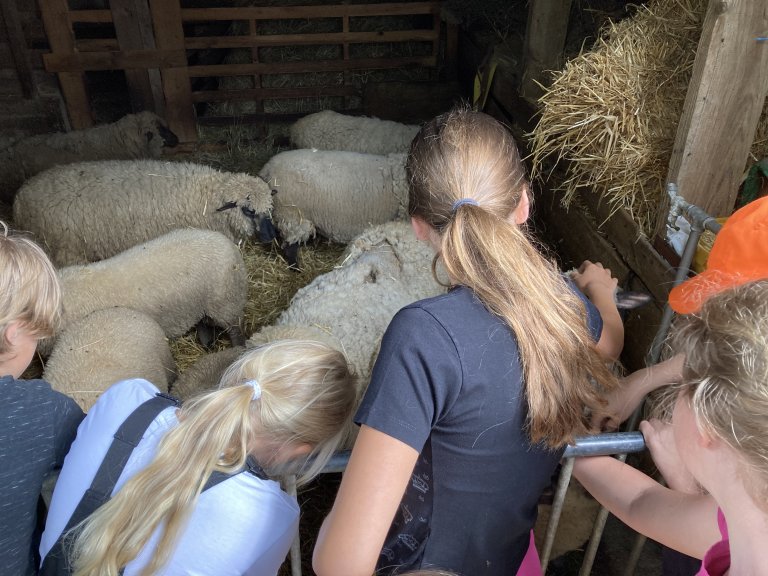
point(475, 393)
point(280, 408)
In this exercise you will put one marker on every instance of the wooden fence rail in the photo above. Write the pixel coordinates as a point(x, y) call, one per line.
point(156, 54)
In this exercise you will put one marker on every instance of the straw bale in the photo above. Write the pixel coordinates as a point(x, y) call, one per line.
point(613, 112)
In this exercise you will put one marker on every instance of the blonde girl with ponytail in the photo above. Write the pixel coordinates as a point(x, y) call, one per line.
point(280, 408)
point(476, 392)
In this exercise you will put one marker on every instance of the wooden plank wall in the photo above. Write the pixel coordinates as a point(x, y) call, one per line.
point(134, 51)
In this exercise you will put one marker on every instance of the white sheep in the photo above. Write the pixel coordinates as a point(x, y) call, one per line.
point(93, 210)
point(329, 130)
point(335, 194)
point(142, 135)
point(107, 346)
point(382, 270)
point(178, 279)
point(205, 373)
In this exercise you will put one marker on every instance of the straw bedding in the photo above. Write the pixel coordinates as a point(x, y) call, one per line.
point(613, 112)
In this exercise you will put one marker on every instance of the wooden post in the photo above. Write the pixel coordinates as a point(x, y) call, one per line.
point(723, 104)
point(133, 28)
point(18, 46)
point(169, 35)
point(544, 43)
point(62, 41)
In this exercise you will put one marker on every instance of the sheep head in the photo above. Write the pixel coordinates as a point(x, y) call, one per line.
point(248, 206)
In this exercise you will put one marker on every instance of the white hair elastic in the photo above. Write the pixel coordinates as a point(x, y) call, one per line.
point(256, 388)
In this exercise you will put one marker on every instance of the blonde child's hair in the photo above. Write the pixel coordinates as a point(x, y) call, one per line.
point(725, 374)
point(307, 396)
point(466, 155)
point(29, 285)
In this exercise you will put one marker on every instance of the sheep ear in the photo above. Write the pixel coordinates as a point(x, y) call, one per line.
point(226, 206)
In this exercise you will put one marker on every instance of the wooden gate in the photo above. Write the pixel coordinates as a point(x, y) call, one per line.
point(149, 43)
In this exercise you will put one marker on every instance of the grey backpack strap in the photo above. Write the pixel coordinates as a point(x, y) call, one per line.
point(126, 438)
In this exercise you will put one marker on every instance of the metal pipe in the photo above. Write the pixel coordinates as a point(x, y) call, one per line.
point(290, 487)
point(557, 508)
point(593, 445)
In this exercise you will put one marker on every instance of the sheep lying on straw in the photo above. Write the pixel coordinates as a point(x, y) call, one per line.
point(142, 135)
point(93, 210)
point(107, 346)
point(178, 279)
point(329, 130)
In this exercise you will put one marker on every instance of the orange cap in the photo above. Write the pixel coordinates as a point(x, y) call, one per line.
point(739, 255)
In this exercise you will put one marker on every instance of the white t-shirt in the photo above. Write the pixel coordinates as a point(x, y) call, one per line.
point(242, 526)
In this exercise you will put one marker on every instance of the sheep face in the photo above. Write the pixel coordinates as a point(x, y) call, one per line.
point(248, 207)
point(154, 133)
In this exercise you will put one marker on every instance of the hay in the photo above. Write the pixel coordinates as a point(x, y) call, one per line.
point(613, 112)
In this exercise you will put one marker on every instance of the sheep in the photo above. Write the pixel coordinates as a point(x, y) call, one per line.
point(178, 279)
point(329, 130)
point(142, 135)
point(382, 270)
point(107, 346)
point(337, 194)
point(205, 373)
point(93, 210)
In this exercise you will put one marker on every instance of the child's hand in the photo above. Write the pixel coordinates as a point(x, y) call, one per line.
point(593, 280)
point(660, 439)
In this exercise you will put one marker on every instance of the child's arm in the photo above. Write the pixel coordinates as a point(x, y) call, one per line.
point(372, 487)
point(623, 400)
point(684, 522)
point(599, 286)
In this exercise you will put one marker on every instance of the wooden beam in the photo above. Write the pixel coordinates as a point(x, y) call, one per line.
point(320, 39)
point(266, 93)
point(723, 104)
point(309, 66)
point(62, 41)
point(18, 45)
point(179, 109)
point(544, 43)
point(321, 11)
point(133, 60)
point(133, 29)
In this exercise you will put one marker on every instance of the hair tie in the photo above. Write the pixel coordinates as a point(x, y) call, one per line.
point(461, 202)
point(256, 388)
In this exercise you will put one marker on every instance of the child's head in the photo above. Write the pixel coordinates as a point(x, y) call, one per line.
point(725, 375)
point(307, 394)
point(464, 155)
point(468, 196)
point(281, 396)
point(30, 288)
point(739, 255)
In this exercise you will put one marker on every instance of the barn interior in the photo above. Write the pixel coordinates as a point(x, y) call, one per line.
point(609, 102)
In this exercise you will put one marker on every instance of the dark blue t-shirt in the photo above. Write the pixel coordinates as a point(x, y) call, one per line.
point(448, 382)
point(37, 425)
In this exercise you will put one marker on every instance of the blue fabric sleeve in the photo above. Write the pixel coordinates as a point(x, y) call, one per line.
point(594, 320)
point(416, 379)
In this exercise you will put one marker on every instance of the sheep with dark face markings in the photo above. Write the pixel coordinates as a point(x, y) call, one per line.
point(90, 211)
point(329, 130)
point(142, 135)
point(336, 194)
point(178, 279)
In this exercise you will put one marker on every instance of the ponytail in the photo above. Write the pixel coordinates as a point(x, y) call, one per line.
point(500, 264)
point(467, 182)
point(306, 396)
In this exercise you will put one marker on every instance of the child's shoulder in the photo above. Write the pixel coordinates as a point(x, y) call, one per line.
point(19, 389)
